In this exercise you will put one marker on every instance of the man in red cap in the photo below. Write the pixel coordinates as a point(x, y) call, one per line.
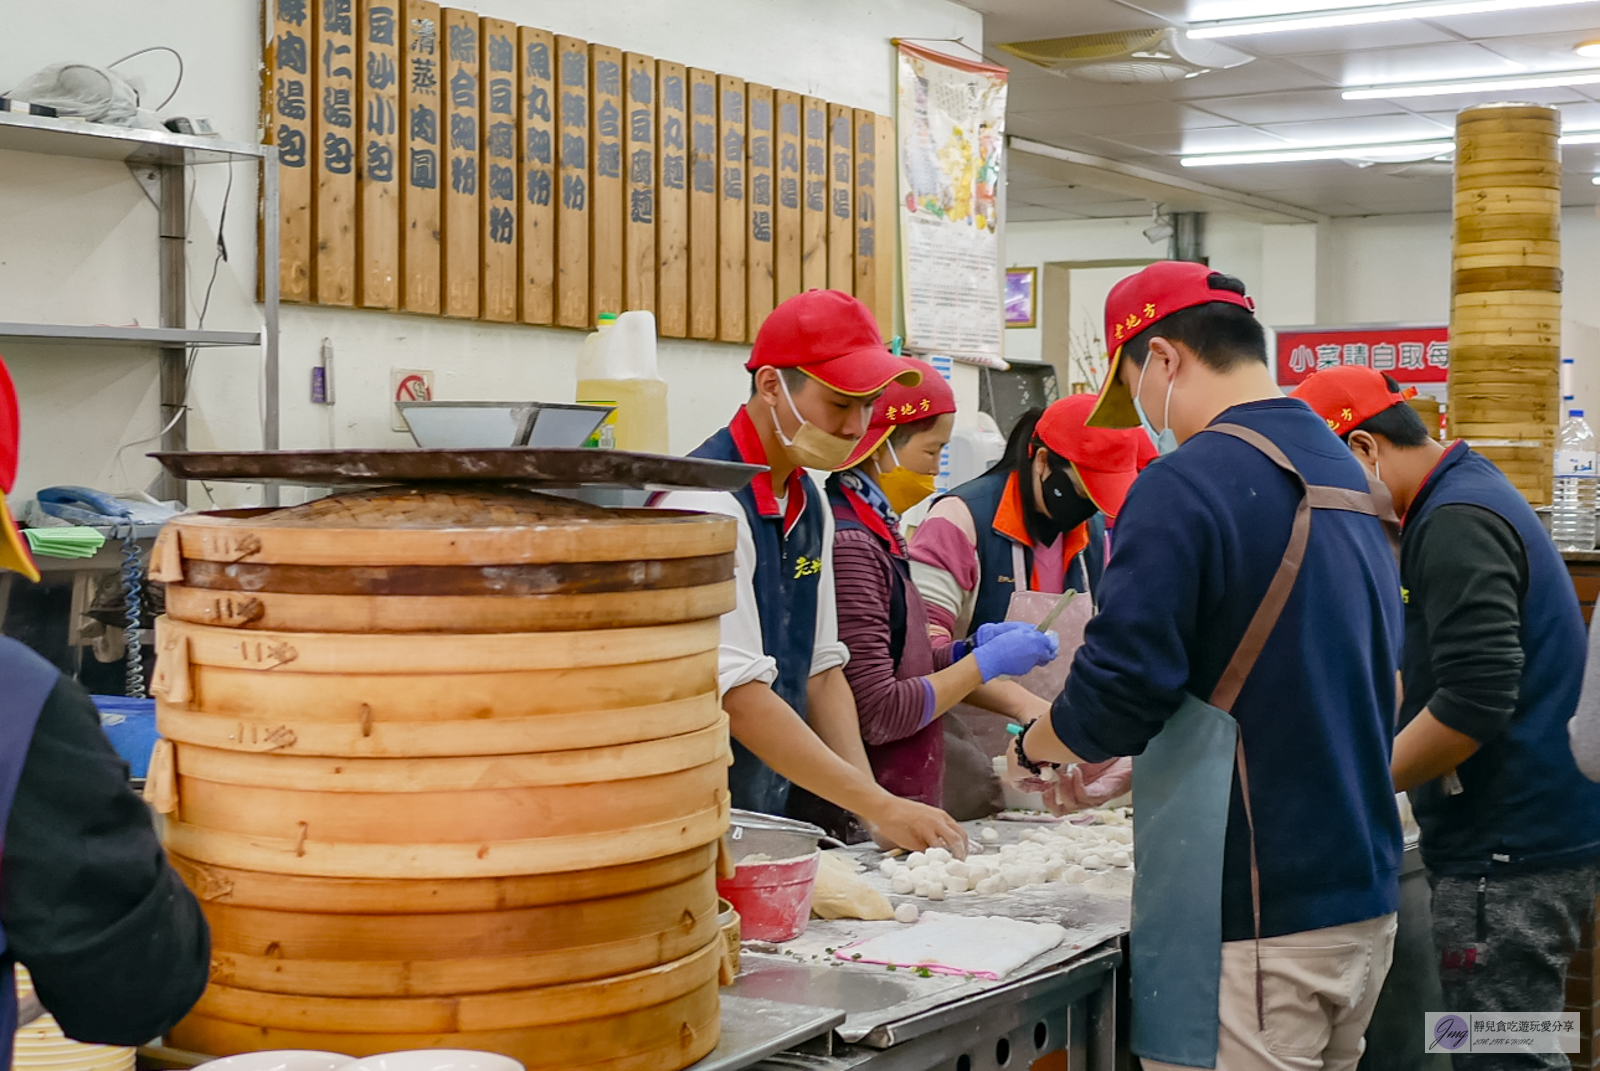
point(1491, 674)
point(1245, 651)
point(817, 366)
point(116, 944)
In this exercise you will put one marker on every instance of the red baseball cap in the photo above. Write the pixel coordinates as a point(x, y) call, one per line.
point(1107, 459)
point(902, 404)
point(833, 338)
point(1147, 296)
point(13, 549)
point(1348, 395)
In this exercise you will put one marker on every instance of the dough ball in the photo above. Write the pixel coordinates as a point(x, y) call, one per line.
point(1009, 851)
point(1093, 862)
point(936, 891)
point(1036, 877)
point(955, 883)
point(916, 859)
point(921, 889)
point(901, 883)
point(990, 886)
point(906, 913)
point(957, 870)
point(1075, 874)
point(888, 867)
point(1121, 859)
point(989, 835)
point(939, 855)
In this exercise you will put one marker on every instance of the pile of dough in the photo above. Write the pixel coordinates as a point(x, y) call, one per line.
point(1071, 854)
point(840, 894)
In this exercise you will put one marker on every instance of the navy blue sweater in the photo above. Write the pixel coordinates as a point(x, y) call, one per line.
point(1197, 544)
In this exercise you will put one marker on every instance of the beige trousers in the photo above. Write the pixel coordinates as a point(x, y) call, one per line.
point(1319, 986)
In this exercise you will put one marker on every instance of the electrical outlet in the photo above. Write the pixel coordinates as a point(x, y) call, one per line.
point(408, 385)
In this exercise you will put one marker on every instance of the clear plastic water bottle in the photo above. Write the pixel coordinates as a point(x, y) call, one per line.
point(1576, 483)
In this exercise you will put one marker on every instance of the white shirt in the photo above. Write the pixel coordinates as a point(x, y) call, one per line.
point(741, 657)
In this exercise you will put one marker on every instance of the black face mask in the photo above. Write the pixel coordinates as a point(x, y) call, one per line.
point(1065, 507)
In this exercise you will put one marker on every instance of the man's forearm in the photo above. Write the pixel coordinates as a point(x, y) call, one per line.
point(778, 736)
point(831, 714)
point(1426, 749)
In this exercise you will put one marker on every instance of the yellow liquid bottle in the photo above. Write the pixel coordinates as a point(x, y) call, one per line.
point(617, 367)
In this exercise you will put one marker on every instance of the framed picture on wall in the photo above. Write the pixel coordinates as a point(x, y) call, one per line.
point(1019, 297)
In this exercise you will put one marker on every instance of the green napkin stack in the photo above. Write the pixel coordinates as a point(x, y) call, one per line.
point(72, 542)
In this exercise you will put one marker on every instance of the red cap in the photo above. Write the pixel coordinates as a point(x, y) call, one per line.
point(833, 338)
point(900, 404)
point(1143, 298)
point(1348, 395)
point(1107, 459)
point(13, 550)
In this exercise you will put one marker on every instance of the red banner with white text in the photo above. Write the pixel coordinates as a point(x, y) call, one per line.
point(1409, 354)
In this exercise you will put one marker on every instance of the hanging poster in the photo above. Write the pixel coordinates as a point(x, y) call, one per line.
point(951, 132)
point(1410, 354)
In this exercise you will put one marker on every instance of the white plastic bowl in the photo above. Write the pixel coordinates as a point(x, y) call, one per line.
point(436, 1060)
point(281, 1060)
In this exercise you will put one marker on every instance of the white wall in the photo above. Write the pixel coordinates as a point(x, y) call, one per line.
point(77, 239)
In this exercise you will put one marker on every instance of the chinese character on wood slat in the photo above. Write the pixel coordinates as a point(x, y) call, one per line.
point(886, 223)
point(672, 200)
point(605, 190)
point(866, 206)
point(572, 165)
point(639, 160)
point(420, 67)
point(498, 149)
point(841, 207)
point(758, 176)
point(786, 250)
point(460, 212)
point(730, 196)
point(703, 214)
point(288, 111)
point(377, 154)
point(814, 195)
point(333, 214)
point(538, 213)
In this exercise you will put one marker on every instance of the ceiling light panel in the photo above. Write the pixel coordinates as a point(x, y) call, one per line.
point(1362, 15)
point(1496, 84)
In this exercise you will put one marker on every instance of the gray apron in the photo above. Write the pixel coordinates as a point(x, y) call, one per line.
point(1181, 787)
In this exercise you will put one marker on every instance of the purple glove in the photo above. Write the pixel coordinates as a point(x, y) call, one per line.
point(1091, 784)
point(1014, 652)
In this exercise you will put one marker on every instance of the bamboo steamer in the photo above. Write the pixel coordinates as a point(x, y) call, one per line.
point(1505, 309)
point(449, 769)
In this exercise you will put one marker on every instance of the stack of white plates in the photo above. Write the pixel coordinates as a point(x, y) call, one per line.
point(41, 1046)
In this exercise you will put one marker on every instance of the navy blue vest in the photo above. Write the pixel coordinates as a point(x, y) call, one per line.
point(1524, 803)
point(26, 681)
point(787, 576)
point(995, 561)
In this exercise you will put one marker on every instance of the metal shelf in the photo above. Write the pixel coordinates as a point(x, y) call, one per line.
point(98, 141)
point(126, 336)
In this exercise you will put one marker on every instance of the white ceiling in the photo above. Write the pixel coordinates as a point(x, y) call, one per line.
point(1287, 97)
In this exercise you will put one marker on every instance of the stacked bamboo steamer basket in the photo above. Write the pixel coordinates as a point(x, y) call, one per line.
point(448, 769)
point(1505, 315)
point(41, 1046)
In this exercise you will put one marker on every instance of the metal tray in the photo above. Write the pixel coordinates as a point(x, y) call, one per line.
point(536, 467)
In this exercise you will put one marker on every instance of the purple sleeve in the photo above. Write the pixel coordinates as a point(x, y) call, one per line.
point(889, 709)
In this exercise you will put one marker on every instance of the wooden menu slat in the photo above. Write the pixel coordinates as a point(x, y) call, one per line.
point(814, 194)
point(287, 109)
point(420, 67)
point(536, 199)
point(572, 165)
point(377, 160)
point(866, 206)
point(786, 250)
point(459, 234)
point(498, 204)
point(731, 194)
point(334, 137)
point(639, 164)
point(672, 200)
point(758, 237)
point(703, 214)
point(887, 223)
point(841, 200)
point(605, 189)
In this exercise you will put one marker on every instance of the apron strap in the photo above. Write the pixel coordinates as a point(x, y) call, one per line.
point(1020, 580)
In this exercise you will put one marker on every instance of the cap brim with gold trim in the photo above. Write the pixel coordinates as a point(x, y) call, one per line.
point(1114, 408)
point(14, 554)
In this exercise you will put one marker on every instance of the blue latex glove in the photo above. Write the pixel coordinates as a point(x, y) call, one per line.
point(985, 633)
point(1014, 652)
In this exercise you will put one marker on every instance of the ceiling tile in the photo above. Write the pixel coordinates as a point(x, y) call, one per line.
point(1375, 128)
point(1545, 51)
point(1158, 118)
point(1216, 139)
point(1257, 76)
point(1034, 214)
point(1578, 18)
point(1341, 39)
point(1293, 107)
point(1425, 63)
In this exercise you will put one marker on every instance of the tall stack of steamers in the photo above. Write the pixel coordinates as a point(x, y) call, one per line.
point(1505, 312)
point(449, 769)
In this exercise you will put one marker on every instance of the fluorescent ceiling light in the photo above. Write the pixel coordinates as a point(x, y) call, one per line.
point(1366, 150)
point(1362, 15)
point(1545, 80)
point(1589, 49)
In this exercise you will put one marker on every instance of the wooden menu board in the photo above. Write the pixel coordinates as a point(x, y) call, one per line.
point(814, 194)
point(731, 199)
point(288, 126)
point(672, 200)
point(786, 251)
point(886, 223)
point(572, 163)
point(866, 206)
point(841, 200)
point(703, 213)
point(461, 224)
point(536, 202)
point(498, 203)
point(333, 215)
point(758, 238)
point(419, 167)
point(378, 182)
point(605, 188)
point(639, 163)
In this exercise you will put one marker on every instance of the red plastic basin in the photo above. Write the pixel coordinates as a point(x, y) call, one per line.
point(773, 899)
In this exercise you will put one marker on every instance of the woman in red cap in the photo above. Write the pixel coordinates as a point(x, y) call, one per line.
point(901, 683)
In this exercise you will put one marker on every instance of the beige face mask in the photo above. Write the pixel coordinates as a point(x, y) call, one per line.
point(811, 447)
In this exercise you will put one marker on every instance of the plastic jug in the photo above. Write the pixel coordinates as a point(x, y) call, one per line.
point(617, 366)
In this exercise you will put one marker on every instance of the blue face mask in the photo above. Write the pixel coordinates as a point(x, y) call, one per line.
point(1166, 440)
